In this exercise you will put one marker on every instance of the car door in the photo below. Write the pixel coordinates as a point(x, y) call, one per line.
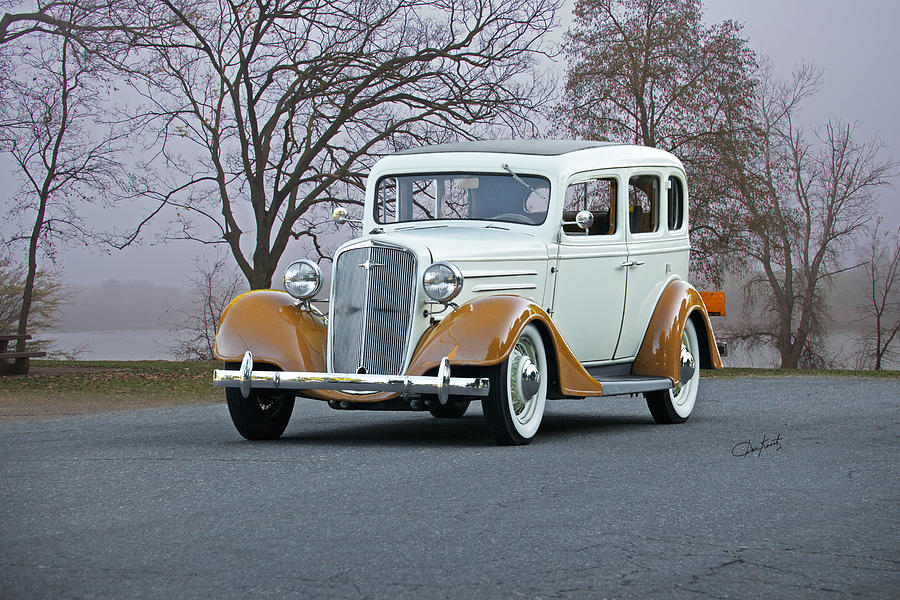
point(657, 249)
point(588, 277)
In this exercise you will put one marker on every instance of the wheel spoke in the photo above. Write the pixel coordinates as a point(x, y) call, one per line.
point(523, 407)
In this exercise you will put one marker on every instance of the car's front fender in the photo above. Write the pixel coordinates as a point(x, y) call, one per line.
point(277, 331)
point(484, 331)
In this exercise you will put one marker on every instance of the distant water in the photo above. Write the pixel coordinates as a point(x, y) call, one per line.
point(147, 344)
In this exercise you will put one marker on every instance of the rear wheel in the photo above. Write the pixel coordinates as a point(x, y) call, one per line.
point(263, 415)
point(676, 404)
point(518, 393)
point(451, 410)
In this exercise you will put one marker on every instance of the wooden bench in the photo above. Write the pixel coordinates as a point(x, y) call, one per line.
point(12, 362)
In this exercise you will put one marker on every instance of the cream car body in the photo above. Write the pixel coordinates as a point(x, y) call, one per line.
point(574, 277)
point(540, 306)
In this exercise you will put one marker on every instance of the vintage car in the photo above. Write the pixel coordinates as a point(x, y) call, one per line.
point(509, 272)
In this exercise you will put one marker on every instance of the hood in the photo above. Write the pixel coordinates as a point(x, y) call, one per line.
point(468, 244)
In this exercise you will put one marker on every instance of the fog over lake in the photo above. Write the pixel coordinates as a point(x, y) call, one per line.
point(136, 320)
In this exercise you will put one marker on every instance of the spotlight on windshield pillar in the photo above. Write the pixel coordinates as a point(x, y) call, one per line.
point(339, 215)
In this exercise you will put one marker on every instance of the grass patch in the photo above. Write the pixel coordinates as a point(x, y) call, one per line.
point(187, 380)
point(65, 388)
point(748, 372)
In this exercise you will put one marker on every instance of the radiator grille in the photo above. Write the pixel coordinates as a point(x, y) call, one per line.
point(371, 307)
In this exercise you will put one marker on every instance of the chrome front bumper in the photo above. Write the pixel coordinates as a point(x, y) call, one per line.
point(442, 385)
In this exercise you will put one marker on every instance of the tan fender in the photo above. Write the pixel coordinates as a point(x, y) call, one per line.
point(484, 331)
point(661, 348)
point(277, 331)
point(269, 324)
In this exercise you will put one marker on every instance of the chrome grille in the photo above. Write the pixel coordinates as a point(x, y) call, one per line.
point(371, 309)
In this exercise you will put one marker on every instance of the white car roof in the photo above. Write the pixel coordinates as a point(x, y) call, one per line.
point(561, 156)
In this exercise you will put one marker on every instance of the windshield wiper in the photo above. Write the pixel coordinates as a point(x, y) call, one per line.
point(517, 178)
point(419, 227)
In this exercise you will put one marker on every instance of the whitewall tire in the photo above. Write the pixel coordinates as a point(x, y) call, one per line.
point(518, 393)
point(676, 405)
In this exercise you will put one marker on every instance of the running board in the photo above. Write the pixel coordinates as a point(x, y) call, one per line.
point(615, 385)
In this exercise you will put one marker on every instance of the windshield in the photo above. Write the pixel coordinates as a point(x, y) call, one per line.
point(468, 196)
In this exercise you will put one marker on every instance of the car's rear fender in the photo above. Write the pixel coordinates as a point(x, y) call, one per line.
point(660, 350)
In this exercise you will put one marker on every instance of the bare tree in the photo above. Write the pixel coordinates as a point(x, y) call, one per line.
point(213, 284)
point(650, 72)
point(45, 300)
point(266, 110)
point(882, 309)
point(63, 152)
point(802, 199)
point(101, 27)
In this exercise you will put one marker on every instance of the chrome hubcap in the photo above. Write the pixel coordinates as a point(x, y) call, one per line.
point(531, 378)
point(688, 368)
point(524, 380)
point(687, 364)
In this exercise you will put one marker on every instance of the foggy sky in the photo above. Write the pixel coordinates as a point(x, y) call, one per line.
point(855, 43)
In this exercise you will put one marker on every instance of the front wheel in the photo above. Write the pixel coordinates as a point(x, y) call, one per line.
point(675, 405)
point(515, 405)
point(263, 415)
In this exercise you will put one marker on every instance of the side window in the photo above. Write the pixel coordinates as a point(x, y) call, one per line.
point(675, 204)
point(597, 196)
point(643, 203)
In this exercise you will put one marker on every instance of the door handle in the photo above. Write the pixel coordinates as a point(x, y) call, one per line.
point(628, 263)
point(638, 263)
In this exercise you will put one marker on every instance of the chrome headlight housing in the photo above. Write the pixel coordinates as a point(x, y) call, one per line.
point(303, 279)
point(442, 281)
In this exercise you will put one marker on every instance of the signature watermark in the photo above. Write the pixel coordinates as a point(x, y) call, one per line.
point(749, 448)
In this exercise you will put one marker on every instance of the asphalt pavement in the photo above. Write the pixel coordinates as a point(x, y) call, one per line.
point(781, 488)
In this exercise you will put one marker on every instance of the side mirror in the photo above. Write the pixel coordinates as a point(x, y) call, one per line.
point(584, 219)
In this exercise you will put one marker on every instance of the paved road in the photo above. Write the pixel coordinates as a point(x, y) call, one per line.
point(171, 503)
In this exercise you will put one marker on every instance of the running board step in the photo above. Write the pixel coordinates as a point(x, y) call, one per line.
point(615, 385)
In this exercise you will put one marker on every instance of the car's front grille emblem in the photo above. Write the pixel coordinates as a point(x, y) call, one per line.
point(368, 265)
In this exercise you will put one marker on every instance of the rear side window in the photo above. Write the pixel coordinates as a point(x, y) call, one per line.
point(675, 204)
point(643, 203)
point(597, 196)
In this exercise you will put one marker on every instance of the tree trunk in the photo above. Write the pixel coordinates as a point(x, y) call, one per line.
point(262, 272)
point(788, 356)
point(28, 289)
point(878, 350)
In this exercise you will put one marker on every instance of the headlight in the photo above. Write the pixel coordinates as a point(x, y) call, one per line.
point(442, 281)
point(303, 279)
